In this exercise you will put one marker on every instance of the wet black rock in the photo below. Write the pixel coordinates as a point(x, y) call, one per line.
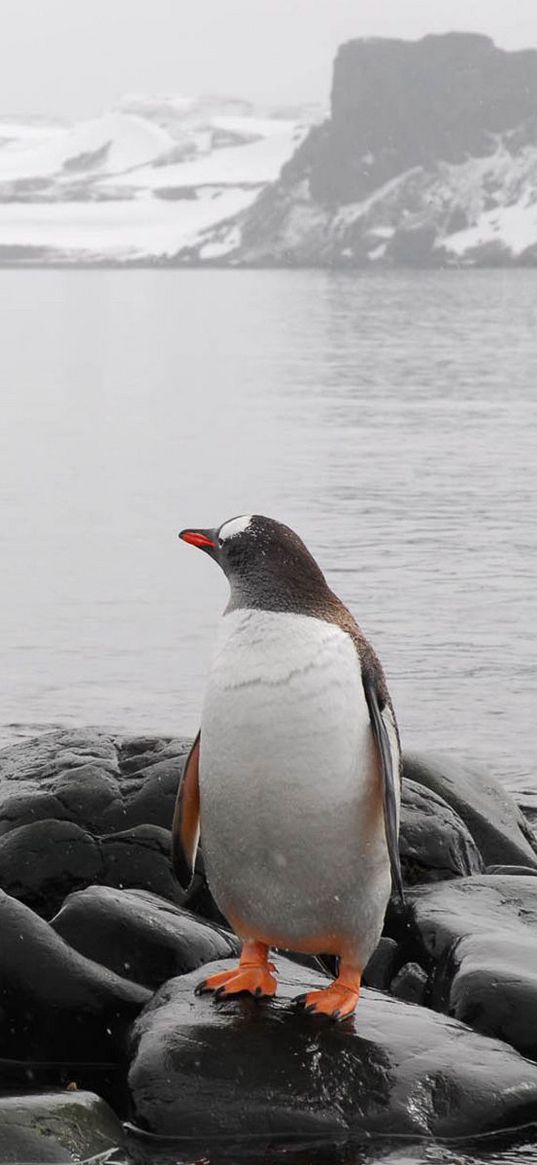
point(140, 858)
point(78, 808)
point(237, 1067)
point(410, 983)
point(103, 782)
point(138, 935)
point(500, 831)
point(434, 843)
point(56, 1127)
point(381, 966)
point(42, 862)
point(481, 934)
point(54, 1003)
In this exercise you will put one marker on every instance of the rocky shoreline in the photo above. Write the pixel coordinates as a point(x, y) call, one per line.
point(101, 951)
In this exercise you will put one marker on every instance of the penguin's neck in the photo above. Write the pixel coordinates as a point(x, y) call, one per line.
point(304, 593)
point(284, 595)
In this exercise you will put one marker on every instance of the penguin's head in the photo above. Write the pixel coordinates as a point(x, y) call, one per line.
point(265, 562)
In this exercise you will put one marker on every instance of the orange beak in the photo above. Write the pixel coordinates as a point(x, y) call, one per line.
point(203, 538)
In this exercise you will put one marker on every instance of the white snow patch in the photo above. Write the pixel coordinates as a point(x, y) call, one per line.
point(128, 229)
point(513, 226)
point(254, 163)
point(129, 142)
point(383, 232)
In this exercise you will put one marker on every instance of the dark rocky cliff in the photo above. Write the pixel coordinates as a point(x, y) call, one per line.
point(425, 140)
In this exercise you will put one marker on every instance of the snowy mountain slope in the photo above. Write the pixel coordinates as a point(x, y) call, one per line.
point(255, 158)
point(429, 158)
point(108, 145)
point(139, 182)
point(138, 230)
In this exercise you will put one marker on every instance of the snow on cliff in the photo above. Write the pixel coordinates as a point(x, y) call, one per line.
point(428, 158)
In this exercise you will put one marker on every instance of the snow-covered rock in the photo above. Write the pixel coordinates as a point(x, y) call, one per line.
point(429, 158)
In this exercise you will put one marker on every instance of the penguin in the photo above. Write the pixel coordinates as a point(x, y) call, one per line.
point(294, 777)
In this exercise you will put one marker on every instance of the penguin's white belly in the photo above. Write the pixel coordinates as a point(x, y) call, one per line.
point(292, 821)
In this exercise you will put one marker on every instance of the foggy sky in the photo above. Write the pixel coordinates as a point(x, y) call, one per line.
point(77, 57)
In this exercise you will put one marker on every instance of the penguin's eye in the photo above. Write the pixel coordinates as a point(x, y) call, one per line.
point(220, 542)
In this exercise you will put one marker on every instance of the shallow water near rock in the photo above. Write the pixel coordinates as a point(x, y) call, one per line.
point(520, 1150)
point(389, 418)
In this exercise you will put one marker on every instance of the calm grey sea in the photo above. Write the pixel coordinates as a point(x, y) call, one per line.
point(390, 418)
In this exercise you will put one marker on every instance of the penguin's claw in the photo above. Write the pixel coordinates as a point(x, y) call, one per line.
point(213, 982)
point(254, 980)
point(336, 1002)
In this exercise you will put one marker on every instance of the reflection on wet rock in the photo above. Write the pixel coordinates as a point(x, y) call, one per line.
point(238, 1065)
point(57, 1127)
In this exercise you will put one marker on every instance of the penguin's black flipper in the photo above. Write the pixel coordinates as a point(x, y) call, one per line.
point(380, 732)
point(186, 819)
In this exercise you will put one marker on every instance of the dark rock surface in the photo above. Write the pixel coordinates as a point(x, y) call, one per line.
point(495, 822)
point(54, 1003)
point(42, 862)
point(410, 983)
point(399, 104)
point(140, 858)
point(138, 935)
point(56, 1126)
point(481, 933)
point(380, 969)
point(434, 842)
point(78, 808)
point(103, 782)
point(234, 1066)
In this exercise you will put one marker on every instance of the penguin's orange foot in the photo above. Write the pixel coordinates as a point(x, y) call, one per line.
point(256, 979)
point(253, 975)
point(335, 1002)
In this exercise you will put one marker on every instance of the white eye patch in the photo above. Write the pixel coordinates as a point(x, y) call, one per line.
point(235, 526)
